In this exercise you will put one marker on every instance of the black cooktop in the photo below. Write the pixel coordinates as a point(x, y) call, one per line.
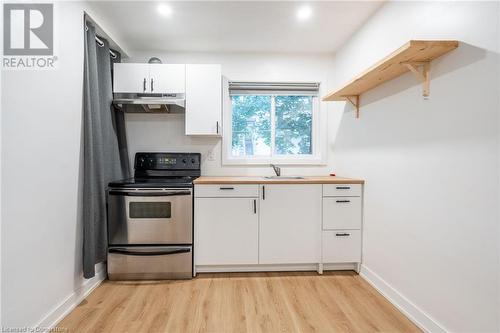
point(161, 170)
point(157, 182)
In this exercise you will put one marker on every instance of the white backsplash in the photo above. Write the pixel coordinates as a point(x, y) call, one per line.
point(163, 132)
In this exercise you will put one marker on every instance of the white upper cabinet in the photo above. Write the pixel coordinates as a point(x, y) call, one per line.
point(164, 78)
point(203, 100)
point(131, 78)
point(290, 224)
point(149, 78)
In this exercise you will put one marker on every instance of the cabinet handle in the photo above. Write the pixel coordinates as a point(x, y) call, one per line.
point(343, 187)
point(152, 86)
point(217, 127)
point(254, 206)
point(342, 234)
point(263, 193)
point(144, 85)
point(343, 201)
point(226, 188)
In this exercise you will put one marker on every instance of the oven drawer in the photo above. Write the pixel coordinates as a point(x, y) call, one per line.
point(150, 217)
point(226, 190)
point(150, 262)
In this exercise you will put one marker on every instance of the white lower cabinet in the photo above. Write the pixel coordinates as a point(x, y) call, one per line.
point(342, 221)
point(276, 226)
point(290, 224)
point(226, 231)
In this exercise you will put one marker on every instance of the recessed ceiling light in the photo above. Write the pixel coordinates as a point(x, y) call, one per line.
point(304, 13)
point(164, 9)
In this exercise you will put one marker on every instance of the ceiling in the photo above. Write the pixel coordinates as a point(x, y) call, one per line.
point(234, 26)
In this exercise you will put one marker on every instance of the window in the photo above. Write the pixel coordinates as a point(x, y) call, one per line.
point(272, 125)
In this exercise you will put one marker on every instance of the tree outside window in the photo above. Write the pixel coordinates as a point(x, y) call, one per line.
point(271, 125)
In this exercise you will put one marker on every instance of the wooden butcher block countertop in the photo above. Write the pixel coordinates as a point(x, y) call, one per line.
point(264, 180)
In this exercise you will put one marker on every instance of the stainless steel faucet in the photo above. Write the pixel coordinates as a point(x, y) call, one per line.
point(277, 170)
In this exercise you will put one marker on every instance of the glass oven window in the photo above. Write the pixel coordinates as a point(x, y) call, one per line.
point(150, 210)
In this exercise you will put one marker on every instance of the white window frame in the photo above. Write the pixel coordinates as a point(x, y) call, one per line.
point(316, 158)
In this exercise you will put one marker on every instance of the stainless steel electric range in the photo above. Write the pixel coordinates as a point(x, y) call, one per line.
point(150, 218)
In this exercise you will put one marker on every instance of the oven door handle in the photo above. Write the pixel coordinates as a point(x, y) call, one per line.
point(149, 194)
point(148, 253)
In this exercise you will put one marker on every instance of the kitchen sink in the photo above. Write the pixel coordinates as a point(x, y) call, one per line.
point(284, 177)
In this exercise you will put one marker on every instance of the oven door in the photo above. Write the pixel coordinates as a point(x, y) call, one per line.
point(150, 216)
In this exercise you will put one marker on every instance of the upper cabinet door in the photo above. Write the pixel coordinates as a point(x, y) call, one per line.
point(131, 78)
point(203, 100)
point(166, 78)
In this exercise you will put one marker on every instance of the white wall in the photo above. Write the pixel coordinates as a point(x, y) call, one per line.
point(1, 52)
point(431, 166)
point(41, 237)
point(147, 132)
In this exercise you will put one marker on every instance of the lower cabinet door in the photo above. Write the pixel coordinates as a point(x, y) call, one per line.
point(226, 231)
point(342, 246)
point(290, 224)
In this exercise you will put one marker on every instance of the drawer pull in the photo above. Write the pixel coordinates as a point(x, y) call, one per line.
point(342, 234)
point(343, 201)
point(343, 187)
point(254, 206)
point(226, 188)
point(149, 253)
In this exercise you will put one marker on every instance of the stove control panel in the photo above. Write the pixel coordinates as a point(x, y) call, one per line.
point(167, 161)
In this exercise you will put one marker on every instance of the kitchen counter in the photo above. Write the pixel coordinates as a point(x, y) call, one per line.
point(263, 180)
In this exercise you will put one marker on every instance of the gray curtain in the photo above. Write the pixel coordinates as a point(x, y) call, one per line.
point(105, 156)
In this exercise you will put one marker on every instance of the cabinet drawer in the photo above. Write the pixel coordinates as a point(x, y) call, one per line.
point(341, 213)
point(341, 246)
point(226, 190)
point(336, 190)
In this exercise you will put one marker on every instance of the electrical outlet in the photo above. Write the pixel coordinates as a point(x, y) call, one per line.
point(211, 155)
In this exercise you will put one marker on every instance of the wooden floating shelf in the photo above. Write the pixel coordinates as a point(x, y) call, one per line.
point(414, 56)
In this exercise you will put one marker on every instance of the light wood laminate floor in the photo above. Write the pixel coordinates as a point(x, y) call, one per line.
point(239, 302)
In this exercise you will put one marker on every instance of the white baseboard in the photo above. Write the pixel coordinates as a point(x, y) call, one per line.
point(340, 267)
point(255, 268)
point(271, 268)
point(410, 310)
point(65, 307)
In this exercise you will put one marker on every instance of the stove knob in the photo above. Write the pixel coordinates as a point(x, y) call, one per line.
point(193, 161)
point(184, 161)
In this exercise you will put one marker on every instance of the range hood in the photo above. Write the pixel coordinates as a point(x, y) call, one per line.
point(152, 103)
